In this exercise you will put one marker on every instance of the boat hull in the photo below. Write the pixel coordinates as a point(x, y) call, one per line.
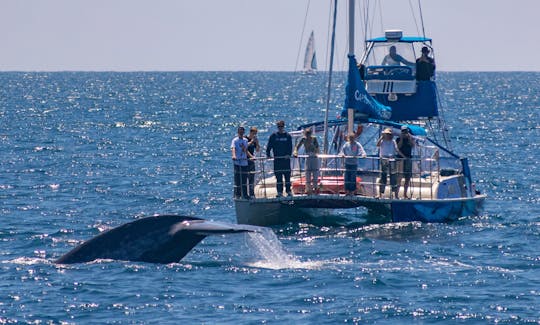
point(321, 209)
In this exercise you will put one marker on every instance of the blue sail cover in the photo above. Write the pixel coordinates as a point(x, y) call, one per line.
point(356, 96)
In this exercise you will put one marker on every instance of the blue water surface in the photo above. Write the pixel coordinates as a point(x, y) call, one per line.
point(85, 152)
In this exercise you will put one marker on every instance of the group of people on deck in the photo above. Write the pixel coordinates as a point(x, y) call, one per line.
point(243, 155)
point(280, 147)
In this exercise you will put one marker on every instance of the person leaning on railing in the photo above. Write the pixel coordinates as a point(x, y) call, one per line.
point(352, 149)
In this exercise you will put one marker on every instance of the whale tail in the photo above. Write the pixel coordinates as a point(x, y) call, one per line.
point(157, 239)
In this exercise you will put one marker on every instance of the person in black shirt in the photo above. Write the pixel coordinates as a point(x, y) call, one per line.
point(425, 66)
point(253, 147)
point(280, 144)
point(405, 144)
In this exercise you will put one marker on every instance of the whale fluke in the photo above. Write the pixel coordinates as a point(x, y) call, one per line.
point(157, 239)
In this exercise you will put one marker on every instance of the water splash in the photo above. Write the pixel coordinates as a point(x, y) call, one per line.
point(274, 256)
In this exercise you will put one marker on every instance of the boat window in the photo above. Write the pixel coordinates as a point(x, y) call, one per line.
point(402, 55)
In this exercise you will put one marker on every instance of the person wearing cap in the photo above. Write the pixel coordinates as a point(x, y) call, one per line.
point(405, 144)
point(280, 145)
point(240, 160)
point(387, 151)
point(311, 148)
point(425, 65)
point(352, 149)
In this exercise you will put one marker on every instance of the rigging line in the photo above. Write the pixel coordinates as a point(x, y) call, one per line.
point(366, 22)
point(442, 120)
point(301, 37)
point(330, 68)
point(328, 34)
point(372, 23)
point(381, 16)
point(370, 139)
point(421, 18)
point(414, 17)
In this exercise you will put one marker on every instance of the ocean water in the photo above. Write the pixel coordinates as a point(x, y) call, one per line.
point(84, 152)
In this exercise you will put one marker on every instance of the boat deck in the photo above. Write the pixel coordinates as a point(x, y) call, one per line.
point(426, 182)
point(434, 194)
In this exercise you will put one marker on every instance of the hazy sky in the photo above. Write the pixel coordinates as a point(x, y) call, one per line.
point(127, 35)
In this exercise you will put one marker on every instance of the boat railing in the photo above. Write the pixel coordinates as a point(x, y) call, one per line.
point(375, 177)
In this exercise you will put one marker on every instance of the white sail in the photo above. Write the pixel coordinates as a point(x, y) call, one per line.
point(310, 60)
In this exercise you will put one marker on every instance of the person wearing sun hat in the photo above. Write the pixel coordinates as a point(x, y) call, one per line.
point(387, 151)
point(311, 148)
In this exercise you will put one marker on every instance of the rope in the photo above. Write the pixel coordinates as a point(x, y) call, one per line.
point(329, 89)
point(414, 16)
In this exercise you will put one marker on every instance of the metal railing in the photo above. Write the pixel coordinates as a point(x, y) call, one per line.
point(373, 177)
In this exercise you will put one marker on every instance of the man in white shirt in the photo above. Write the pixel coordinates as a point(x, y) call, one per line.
point(240, 159)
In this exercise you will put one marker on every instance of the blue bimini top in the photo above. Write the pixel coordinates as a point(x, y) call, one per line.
point(404, 39)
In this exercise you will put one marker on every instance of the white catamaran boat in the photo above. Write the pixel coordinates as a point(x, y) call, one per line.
point(390, 94)
point(310, 59)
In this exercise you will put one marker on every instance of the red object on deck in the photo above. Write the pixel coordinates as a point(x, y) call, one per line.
point(327, 185)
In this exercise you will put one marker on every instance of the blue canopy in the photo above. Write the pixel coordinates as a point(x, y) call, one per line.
point(414, 129)
point(404, 39)
point(357, 97)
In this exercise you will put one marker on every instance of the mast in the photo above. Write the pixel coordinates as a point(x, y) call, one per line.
point(350, 110)
point(351, 27)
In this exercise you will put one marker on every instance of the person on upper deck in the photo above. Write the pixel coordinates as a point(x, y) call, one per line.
point(392, 58)
point(425, 65)
point(311, 148)
point(280, 144)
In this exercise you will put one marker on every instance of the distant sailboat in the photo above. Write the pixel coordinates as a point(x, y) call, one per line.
point(310, 60)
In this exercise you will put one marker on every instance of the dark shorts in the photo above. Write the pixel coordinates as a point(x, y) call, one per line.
point(407, 168)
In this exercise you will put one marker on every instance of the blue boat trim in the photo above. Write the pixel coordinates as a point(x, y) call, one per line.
point(403, 39)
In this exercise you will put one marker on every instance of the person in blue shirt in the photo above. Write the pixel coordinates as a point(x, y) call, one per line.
point(280, 145)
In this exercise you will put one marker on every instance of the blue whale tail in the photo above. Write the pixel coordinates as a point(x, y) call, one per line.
point(156, 239)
